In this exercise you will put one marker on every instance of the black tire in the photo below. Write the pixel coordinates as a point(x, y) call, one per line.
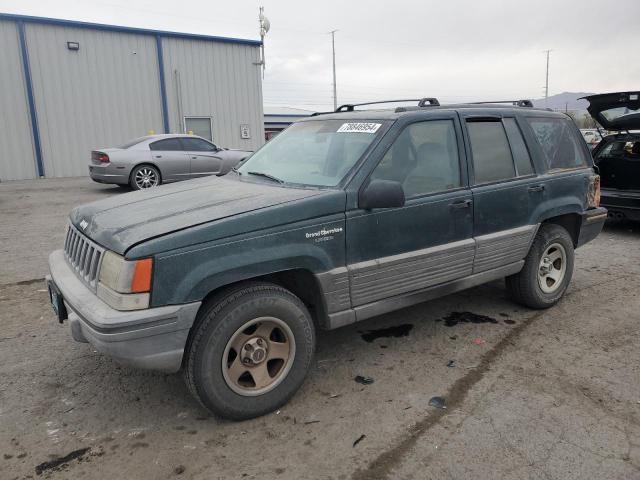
point(524, 287)
point(216, 324)
point(154, 174)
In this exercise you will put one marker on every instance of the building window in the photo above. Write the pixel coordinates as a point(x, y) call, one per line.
point(201, 126)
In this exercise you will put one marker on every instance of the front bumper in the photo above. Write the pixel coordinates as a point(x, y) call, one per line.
point(153, 338)
point(591, 225)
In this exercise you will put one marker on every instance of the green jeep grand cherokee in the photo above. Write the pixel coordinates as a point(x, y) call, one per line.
point(342, 217)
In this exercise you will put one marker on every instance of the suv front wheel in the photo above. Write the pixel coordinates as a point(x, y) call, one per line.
point(250, 350)
point(547, 269)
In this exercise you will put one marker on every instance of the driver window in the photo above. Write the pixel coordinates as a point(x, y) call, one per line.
point(424, 159)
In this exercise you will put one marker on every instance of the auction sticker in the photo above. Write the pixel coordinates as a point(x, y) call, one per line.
point(359, 128)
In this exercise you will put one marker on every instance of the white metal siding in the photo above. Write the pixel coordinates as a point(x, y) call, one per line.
point(99, 96)
point(17, 155)
point(219, 80)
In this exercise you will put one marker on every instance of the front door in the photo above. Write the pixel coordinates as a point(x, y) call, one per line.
point(504, 188)
point(428, 241)
point(202, 155)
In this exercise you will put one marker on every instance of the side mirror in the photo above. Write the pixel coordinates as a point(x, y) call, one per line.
point(381, 194)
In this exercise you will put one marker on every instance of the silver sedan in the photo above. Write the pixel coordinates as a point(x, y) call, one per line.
point(147, 162)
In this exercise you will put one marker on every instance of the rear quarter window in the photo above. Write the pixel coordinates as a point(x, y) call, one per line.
point(560, 143)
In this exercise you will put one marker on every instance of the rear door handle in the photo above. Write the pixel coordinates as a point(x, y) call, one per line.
point(158, 156)
point(462, 204)
point(536, 188)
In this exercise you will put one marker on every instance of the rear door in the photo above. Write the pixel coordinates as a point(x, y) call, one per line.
point(504, 186)
point(168, 155)
point(202, 157)
point(428, 241)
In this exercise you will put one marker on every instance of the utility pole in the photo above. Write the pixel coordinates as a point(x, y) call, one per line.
point(333, 47)
point(546, 84)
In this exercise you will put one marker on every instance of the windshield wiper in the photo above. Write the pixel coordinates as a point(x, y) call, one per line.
point(266, 175)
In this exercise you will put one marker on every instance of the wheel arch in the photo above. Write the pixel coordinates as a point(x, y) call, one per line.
point(571, 222)
point(299, 281)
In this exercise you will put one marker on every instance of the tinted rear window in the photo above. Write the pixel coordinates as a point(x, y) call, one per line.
point(166, 145)
point(490, 151)
point(560, 143)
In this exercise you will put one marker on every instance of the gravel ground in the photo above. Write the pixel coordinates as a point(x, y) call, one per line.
point(549, 394)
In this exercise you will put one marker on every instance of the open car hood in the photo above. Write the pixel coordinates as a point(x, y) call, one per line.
point(616, 111)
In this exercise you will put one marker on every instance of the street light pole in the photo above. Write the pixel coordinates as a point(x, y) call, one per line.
point(333, 47)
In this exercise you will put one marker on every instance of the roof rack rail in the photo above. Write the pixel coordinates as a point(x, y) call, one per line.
point(422, 102)
point(515, 103)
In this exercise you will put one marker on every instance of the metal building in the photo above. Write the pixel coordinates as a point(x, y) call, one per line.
point(68, 87)
point(276, 119)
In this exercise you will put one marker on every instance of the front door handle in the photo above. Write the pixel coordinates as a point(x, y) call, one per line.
point(158, 156)
point(194, 158)
point(536, 188)
point(462, 204)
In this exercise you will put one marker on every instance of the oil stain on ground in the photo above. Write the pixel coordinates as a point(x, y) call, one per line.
point(395, 331)
point(455, 318)
point(57, 462)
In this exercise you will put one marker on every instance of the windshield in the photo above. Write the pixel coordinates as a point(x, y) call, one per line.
point(317, 152)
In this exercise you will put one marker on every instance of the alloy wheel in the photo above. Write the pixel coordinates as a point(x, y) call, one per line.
point(146, 177)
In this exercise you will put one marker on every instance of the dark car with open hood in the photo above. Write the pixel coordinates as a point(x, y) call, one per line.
point(342, 217)
point(617, 156)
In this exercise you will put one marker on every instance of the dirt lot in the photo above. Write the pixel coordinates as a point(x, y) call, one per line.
point(548, 395)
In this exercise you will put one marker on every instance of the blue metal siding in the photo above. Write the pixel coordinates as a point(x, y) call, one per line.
point(32, 105)
point(117, 28)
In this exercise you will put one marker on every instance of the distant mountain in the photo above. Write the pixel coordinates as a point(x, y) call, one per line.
point(562, 101)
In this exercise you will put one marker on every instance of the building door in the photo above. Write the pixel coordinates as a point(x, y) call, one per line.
point(200, 126)
point(428, 241)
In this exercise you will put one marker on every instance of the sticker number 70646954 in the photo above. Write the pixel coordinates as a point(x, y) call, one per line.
point(359, 127)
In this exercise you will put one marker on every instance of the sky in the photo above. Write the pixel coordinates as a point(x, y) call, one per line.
point(455, 50)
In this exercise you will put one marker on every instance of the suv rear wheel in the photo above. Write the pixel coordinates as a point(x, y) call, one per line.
point(547, 270)
point(250, 351)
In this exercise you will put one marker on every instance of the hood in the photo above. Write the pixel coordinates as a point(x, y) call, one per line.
point(616, 111)
point(122, 221)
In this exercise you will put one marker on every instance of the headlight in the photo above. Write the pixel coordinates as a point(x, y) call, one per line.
point(125, 284)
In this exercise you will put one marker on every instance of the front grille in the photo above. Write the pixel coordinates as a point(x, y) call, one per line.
point(83, 255)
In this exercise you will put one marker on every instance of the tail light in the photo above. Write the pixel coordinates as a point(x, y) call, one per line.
point(593, 196)
point(99, 157)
